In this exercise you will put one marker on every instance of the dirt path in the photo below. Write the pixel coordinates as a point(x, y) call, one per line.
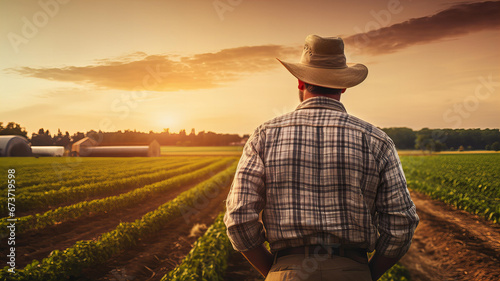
point(451, 244)
point(156, 255)
point(38, 244)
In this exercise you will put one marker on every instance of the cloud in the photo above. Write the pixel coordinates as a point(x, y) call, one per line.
point(453, 22)
point(138, 71)
point(165, 72)
point(28, 111)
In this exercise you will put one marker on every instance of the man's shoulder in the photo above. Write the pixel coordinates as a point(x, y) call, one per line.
point(369, 128)
point(340, 119)
point(281, 120)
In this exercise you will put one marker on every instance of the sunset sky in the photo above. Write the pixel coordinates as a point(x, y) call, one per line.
point(211, 65)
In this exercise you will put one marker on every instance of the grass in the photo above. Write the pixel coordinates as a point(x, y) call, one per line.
point(415, 152)
point(201, 150)
point(469, 152)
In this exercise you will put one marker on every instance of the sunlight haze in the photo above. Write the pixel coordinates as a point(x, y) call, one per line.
point(211, 65)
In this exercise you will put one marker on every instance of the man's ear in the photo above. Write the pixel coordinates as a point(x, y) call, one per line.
point(301, 85)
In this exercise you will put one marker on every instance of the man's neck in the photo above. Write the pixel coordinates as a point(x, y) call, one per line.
point(308, 95)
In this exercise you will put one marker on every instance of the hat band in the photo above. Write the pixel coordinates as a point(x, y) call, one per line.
point(324, 61)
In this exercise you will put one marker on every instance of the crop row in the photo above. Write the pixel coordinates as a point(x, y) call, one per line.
point(111, 203)
point(489, 208)
point(52, 181)
point(468, 182)
point(44, 170)
point(41, 200)
point(61, 265)
point(208, 258)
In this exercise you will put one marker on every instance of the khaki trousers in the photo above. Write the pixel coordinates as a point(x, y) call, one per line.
point(317, 268)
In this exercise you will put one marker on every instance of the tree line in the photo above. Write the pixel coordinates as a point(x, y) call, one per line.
point(404, 138)
point(445, 139)
point(45, 138)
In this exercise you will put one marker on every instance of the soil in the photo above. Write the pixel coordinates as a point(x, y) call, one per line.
point(158, 254)
point(451, 244)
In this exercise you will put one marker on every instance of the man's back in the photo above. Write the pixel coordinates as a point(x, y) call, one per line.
point(322, 170)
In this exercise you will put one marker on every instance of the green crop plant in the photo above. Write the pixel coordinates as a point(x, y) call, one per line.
point(61, 265)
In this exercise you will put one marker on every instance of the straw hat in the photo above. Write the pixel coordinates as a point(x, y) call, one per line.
point(323, 63)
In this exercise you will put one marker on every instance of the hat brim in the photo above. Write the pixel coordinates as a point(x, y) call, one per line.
point(338, 78)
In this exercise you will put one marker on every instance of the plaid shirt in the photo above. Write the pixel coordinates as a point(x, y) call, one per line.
point(320, 176)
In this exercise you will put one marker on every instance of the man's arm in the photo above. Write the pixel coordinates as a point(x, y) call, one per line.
point(397, 215)
point(260, 258)
point(245, 202)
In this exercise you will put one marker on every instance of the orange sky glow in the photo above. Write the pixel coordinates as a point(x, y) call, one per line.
point(211, 65)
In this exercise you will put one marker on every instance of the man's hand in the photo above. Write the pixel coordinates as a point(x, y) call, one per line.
point(260, 258)
point(379, 265)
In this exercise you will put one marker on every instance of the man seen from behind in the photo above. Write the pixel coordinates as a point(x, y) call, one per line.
point(329, 187)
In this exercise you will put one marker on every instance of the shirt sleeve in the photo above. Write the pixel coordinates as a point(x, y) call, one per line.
point(397, 215)
point(246, 199)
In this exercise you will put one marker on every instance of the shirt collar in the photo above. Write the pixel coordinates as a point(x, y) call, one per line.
point(322, 102)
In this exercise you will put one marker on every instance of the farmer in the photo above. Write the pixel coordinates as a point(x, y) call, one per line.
point(328, 186)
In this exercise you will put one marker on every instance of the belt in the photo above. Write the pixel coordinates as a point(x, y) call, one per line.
point(312, 250)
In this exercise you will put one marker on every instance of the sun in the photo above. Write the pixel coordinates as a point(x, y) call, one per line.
point(167, 120)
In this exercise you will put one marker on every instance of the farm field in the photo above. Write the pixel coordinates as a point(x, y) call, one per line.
point(458, 202)
point(151, 212)
point(157, 218)
point(470, 182)
point(201, 150)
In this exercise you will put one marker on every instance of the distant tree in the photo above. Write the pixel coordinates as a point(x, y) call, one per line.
point(495, 146)
point(423, 140)
point(97, 136)
point(13, 129)
point(475, 138)
point(430, 140)
point(43, 138)
point(77, 136)
point(62, 140)
point(191, 138)
point(461, 148)
point(439, 146)
point(404, 138)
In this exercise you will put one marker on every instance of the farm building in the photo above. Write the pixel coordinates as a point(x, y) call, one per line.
point(14, 146)
point(47, 150)
point(87, 147)
point(82, 144)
